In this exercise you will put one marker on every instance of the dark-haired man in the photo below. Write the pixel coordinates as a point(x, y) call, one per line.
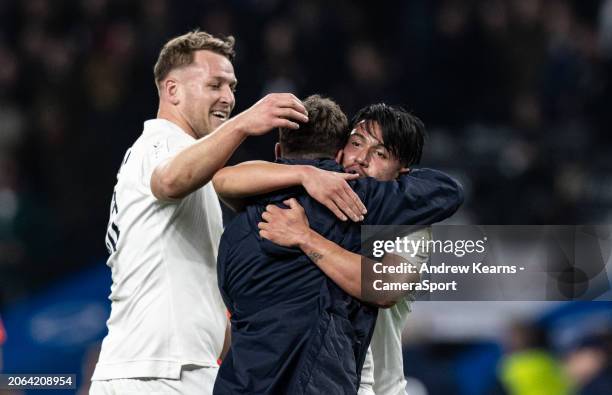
point(293, 330)
point(362, 154)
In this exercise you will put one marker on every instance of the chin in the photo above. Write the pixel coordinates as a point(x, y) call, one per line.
point(205, 130)
point(215, 123)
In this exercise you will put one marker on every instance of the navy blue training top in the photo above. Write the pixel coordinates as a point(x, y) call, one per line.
point(293, 330)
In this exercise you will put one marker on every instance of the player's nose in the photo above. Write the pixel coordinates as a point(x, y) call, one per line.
point(227, 97)
point(362, 158)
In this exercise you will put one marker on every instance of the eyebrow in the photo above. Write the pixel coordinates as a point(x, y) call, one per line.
point(361, 136)
point(354, 132)
point(233, 81)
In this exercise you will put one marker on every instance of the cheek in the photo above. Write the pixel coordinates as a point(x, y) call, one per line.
point(192, 99)
point(388, 172)
point(348, 158)
point(203, 101)
point(380, 171)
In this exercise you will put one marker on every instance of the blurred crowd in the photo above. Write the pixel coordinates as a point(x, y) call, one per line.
point(564, 349)
point(575, 360)
point(515, 94)
point(532, 364)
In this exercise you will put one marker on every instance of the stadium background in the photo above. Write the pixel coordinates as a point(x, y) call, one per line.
point(515, 93)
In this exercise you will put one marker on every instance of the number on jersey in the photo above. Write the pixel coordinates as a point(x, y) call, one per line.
point(113, 232)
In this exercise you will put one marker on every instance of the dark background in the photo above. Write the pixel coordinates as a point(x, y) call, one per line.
point(515, 94)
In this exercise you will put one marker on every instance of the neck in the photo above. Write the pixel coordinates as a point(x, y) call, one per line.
point(308, 156)
point(170, 115)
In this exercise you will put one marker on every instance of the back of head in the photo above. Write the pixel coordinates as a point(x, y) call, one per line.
point(179, 51)
point(403, 133)
point(322, 137)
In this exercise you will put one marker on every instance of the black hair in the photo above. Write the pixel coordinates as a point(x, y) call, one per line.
point(403, 133)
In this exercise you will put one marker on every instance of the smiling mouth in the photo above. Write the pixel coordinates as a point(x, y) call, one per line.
point(222, 115)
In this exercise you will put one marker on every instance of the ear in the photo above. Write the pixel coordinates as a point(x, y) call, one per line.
point(339, 156)
point(278, 153)
point(170, 90)
point(403, 170)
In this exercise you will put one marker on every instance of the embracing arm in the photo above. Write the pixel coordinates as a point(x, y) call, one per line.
point(421, 197)
point(289, 227)
point(344, 268)
point(195, 166)
point(235, 183)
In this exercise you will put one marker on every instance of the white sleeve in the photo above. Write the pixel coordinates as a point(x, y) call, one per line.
point(158, 150)
point(366, 387)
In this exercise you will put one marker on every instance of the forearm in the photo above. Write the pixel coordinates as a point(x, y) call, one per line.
point(256, 178)
point(195, 166)
point(342, 266)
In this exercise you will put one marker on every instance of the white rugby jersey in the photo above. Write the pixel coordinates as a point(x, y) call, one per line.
point(386, 344)
point(166, 307)
point(386, 347)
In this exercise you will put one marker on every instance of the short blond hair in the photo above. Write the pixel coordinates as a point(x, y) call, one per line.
point(178, 52)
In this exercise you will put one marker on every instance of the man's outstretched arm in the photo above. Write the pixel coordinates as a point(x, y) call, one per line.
point(344, 268)
point(234, 184)
point(421, 197)
point(195, 166)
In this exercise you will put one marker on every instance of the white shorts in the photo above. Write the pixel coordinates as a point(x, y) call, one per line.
point(195, 380)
